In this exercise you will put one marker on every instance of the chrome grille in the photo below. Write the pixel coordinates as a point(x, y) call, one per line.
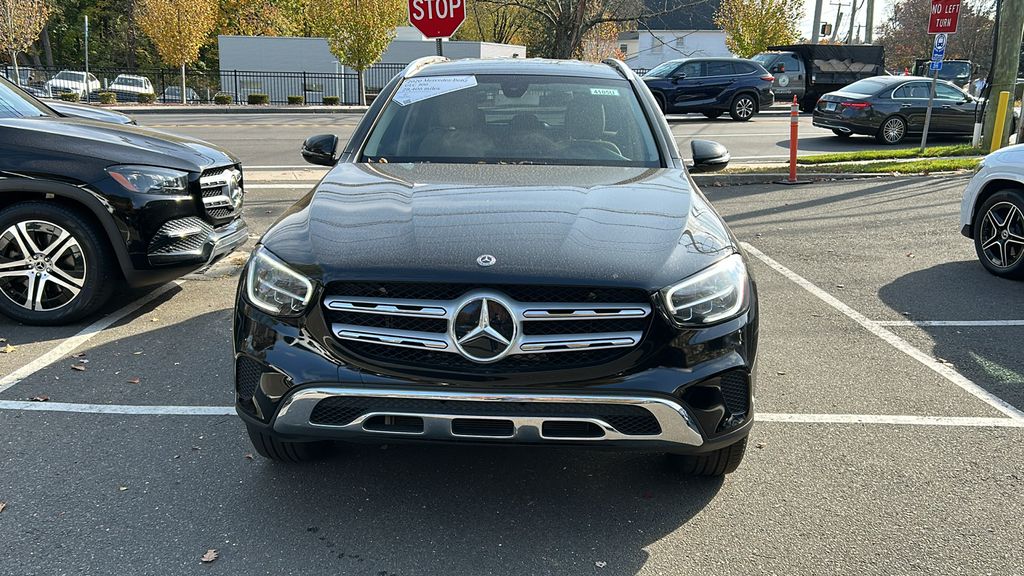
point(222, 191)
point(421, 332)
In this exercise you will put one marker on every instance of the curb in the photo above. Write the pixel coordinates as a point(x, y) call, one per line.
point(720, 180)
point(238, 109)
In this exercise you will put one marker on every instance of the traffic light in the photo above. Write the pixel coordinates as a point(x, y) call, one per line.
point(826, 29)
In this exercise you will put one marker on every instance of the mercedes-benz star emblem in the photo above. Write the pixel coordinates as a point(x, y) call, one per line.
point(484, 329)
point(486, 260)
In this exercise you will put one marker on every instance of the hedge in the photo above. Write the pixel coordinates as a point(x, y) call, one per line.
point(331, 100)
point(222, 99)
point(107, 98)
point(259, 99)
point(147, 98)
point(70, 96)
point(296, 100)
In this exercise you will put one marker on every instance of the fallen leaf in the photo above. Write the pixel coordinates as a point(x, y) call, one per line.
point(79, 367)
point(122, 488)
point(839, 286)
point(7, 348)
point(780, 373)
point(133, 381)
point(600, 564)
point(2, 505)
point(40, 398)
point(248, 456)
point(79, 355)
point(154, 319)
point(136, 353)
point(210, 556)
point(760, 445)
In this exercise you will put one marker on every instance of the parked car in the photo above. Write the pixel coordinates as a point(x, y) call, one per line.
point(992, 212)
point(809, 70)
point(127, 87)
point(711, 86)
point(956, 71)
point(172, 95)
point(892, 107)
point(79, 110)
point(509, 252)
point(70, 81)
point(86, 206)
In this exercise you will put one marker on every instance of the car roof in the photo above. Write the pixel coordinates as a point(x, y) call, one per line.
point(525, 66)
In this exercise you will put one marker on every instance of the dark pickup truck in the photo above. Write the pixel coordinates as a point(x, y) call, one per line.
point(808, 71)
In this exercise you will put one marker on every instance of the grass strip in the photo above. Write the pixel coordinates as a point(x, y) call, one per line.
point(889, 154)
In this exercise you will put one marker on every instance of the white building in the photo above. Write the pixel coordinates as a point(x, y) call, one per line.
point(647, 48)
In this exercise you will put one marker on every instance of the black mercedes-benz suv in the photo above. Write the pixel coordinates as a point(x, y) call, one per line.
point(87, 205)
point(507, 251)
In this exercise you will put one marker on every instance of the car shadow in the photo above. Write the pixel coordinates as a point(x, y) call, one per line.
point(528, 510)
point(824, 143)
point(989, 356)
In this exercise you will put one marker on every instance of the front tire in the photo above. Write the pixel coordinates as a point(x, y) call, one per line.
point(718, 463)
point(743, 108)
point(55, 264)
point(999, 234)
point(273, 448)
point(892, 131)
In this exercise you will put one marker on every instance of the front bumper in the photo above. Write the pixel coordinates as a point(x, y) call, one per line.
point(500, 417)
point(193, 241)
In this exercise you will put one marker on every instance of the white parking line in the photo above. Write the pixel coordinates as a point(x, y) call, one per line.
point(64, 348)
point(899, 420)
point(289, 186)
point(891, 338)
point(306, 167)
point(951, 323)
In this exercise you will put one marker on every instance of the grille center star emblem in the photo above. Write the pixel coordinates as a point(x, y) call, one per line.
point(484, 329)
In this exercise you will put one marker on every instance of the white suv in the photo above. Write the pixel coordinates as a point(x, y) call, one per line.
point(992, 212)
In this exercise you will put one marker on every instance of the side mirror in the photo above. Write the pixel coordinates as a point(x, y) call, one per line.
point(679, 76)
point(320, 149)
point(708, 156)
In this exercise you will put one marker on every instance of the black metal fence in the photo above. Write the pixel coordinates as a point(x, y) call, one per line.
point(202, 87)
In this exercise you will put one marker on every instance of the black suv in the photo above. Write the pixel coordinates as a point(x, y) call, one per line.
point(712, 86)
point(507, 251)
point(85, 205)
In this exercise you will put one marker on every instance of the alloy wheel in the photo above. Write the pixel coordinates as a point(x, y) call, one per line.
point(42, 266)
point(1002, 235)
point(744, 107)
point(893, 130)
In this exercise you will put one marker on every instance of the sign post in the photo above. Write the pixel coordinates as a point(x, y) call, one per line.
point(437, 19)
point(943, 19)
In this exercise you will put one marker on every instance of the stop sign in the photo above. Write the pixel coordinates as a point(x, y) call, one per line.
point(437, 18)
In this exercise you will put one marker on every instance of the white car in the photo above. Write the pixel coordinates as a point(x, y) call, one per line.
point(128, 87)
point(992, 212)
point(67, 81)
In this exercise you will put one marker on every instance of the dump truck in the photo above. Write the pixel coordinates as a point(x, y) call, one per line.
point(808, 71)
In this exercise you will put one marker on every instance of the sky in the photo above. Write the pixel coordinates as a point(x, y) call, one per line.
point(828, 13)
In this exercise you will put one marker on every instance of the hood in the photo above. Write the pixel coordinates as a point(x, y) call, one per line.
point(116, 144)
point(583, 225)
point(88, 111)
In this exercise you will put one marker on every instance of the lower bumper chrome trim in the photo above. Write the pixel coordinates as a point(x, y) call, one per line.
point(677, 426)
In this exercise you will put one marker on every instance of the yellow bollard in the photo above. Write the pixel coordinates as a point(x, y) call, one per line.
point(1000, 125)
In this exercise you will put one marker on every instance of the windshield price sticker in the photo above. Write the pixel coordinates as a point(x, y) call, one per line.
point(604, 91)
point(420, 88)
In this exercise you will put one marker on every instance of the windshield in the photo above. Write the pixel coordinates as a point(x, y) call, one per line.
point(505, 119)
point(867, 87)
point(73, 76)
point(764, 58)
point(662, 70)
point(14, 103)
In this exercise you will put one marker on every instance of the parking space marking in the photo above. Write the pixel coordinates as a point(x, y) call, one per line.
point(69, 344)
point(950, 323)
point(767, 417)
point(890, 337)
point(288, 186)
point(964, 421)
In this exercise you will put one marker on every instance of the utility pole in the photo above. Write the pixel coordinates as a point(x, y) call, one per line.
point(1010, 15)
point(869, 24)
point(816, 29)
point(853, 21)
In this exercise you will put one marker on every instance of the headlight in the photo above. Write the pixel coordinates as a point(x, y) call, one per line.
point(274, 287)
point(150, 179)
point(715, 294)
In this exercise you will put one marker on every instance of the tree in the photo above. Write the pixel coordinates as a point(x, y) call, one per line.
point(502, 24)
point(20, 24)
point(601, 42)
point(254, 18)
point(560, 26)
point(178, 29)
point(904, 33)
point(358, 31)
point(751, 26)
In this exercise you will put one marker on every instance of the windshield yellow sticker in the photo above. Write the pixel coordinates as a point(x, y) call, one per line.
point(420, 88)
point(604, 91)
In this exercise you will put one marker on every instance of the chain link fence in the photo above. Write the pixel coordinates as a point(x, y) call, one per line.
point(202, 87)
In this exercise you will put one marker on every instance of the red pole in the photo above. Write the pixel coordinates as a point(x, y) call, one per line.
point(794, 119)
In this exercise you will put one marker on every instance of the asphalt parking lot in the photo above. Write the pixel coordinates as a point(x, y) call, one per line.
point(889, 442)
